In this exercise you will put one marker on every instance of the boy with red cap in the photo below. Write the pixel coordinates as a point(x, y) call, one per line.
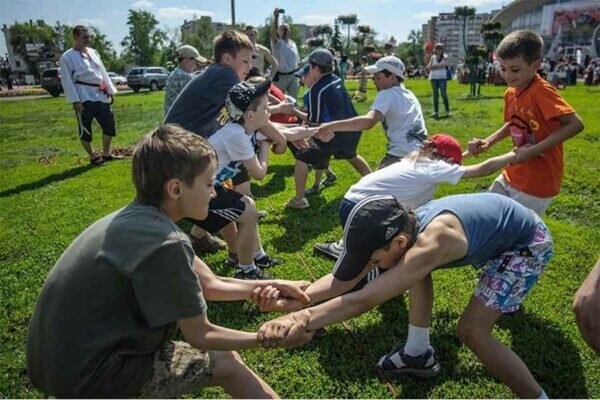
point(413, 180)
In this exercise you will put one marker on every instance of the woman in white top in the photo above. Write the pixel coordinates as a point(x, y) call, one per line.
point(439, 77)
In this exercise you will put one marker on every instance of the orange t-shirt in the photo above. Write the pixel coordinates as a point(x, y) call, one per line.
point(533, 116)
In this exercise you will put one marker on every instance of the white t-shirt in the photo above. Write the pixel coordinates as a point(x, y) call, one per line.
point(233, 146)
point(439, 73)
point(411, 182)
point(403, 121)
point(286, 53)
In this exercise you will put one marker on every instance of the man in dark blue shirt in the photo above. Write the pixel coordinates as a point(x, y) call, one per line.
point(328, 101)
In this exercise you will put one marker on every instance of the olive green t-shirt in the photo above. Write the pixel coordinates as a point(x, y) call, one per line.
point(108, 304)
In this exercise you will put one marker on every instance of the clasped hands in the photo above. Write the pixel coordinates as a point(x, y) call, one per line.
point(283, 296)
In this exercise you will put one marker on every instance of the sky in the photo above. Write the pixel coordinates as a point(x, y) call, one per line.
point(388, 17)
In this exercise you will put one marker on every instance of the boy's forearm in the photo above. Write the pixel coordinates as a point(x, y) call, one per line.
point(497, 136)
point(361, 123)
point(327, 287)
point(225, 339)
point(560, 135)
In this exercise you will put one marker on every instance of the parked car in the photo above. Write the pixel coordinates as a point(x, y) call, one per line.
point(51, 81)
point(117, 79)
point(154, 78)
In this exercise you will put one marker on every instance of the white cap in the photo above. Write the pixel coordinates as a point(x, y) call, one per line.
point(390, 63)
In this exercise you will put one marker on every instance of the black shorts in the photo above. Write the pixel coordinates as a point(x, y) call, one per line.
point(225, 208)
point(102, 113)
point(342, 147)
point(241, 177)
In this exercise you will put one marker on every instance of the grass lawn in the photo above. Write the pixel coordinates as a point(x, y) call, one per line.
point(49, 194)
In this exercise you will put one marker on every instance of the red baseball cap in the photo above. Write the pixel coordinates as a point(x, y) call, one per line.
point(447, 146)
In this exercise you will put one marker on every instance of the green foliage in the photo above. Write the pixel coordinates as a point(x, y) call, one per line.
point(144, 40)
point(336, 37)
point(23, 33)
point(45, 206)
point(203, 38)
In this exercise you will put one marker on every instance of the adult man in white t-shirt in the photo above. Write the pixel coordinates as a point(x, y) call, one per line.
point(395, 106)
point(286, 54)
point(88, 87)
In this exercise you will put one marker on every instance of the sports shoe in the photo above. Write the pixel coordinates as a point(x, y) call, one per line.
point(332, 250)
point(297, 203)
point(328, 181)
point(262, 213)
point(448, 113)
point(267, 261)
point(397, 362)
point(206, 244)
point(255, 274)
point(434, 115)
point(315, 189)
point(232, 260)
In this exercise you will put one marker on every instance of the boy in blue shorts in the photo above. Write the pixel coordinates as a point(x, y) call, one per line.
point(328, 100)
point(507, 242)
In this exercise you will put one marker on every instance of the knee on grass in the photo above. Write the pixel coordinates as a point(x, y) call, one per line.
point(250, 214)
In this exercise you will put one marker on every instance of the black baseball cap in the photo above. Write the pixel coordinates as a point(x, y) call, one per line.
point(371, 225)
point(241, 95)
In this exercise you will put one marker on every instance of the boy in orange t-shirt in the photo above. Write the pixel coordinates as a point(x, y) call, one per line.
point(537, 119)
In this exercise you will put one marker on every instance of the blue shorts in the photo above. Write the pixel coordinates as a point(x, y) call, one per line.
point(345, 209)
point(505, 281)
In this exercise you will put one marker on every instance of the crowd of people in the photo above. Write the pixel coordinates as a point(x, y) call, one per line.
point(220, 126)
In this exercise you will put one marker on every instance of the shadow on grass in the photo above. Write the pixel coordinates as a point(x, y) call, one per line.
point(476, 98)
point(552, 358)
point(277, 182)
point(47, 180)
point(302, 226)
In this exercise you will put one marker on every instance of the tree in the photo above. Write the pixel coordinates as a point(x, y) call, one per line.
point(203, 38)
point(336, 38)
point(30, 33)
point(349, 21)
point(145, 39)
point(464, 13)
point(492, 35)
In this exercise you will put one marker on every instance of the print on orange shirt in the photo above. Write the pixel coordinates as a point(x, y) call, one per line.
point(532, 114)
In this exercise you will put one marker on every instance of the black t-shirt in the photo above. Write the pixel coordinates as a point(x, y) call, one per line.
point(109, 303)
point(200, 107)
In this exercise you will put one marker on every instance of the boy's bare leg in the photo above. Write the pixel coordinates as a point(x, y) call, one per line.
point(475, 331)
point(230, 233)
point(247, 237)
point(360, 165)
point(244, 188)
point(300, 176)
point(239, 381)
point(421, 303)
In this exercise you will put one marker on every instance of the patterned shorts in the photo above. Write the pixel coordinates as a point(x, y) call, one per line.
point(506, 280)
point(178, 369)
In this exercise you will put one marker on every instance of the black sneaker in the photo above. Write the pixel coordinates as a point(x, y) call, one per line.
point(232, 260)
point(255, 274)
point(328, 181)
point(332, 250)
point(397, 362)
point(267, 261)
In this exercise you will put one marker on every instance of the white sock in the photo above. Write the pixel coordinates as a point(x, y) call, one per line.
point(417, 342)
point(247, 268)
point(260, 253)
point(543, 395)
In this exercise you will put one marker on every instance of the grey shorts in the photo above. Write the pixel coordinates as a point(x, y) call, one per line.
point(179, 369)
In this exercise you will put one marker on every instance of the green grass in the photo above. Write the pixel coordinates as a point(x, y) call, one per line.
point(44, 207)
